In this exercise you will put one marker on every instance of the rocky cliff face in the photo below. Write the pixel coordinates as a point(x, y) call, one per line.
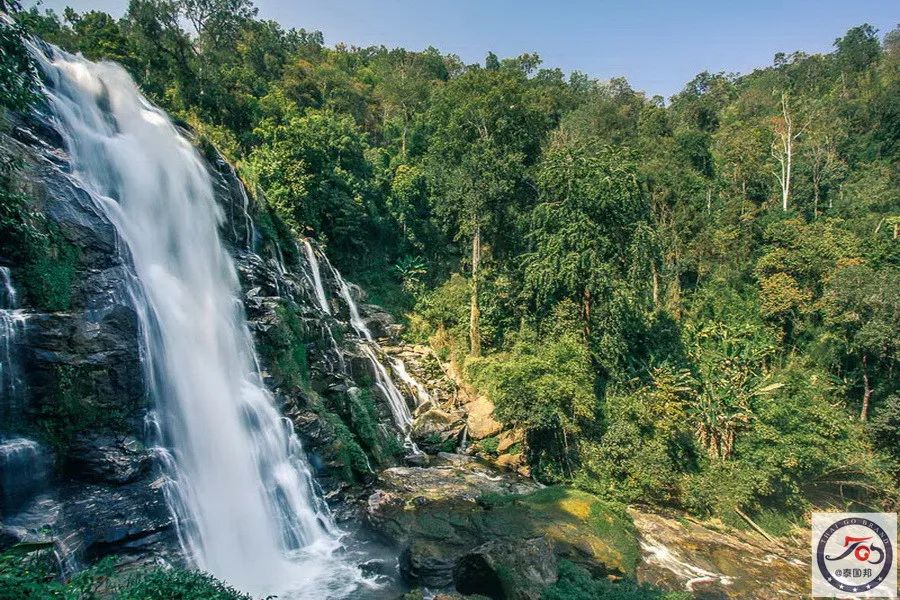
point(76, 459)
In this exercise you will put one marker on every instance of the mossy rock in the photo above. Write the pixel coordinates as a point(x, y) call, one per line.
point(437, 531)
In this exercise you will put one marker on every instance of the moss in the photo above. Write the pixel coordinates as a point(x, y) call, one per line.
point(48, 263)
point(576, 583)
point(283, 349)
point(434, 441)
point(488, 445)
point(572, 518)
point(49, 273)
point(360, 412)
point(351, 459)
point(72, 408)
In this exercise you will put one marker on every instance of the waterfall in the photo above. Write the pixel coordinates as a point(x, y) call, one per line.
point(397, 403)
point(238, 484)
point(356, 321)
point(417, 388)
point(317, 277)
point(12, 326)
point(23, 463)
point(23, 472)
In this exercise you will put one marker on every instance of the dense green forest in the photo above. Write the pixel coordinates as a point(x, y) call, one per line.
point(689, 302)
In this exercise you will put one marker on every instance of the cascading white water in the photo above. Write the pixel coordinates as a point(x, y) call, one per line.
point(399, 409)
point(397, 403)
point(317, 277)
point(239, 485)
point(23, 463)
point(356, 321)
point(399, 369)
point(12, 326)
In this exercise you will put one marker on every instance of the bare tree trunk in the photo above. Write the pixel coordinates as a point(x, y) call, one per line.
point(783, 150)
point(867, 391)
point(655, 286)
point(815, 198)
point(586, 314)
point(743, 195)
point(474, 317)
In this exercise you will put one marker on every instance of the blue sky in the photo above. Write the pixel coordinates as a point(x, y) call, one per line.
point(658, 46)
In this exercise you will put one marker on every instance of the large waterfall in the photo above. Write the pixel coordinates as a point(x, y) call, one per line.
point(239, 485)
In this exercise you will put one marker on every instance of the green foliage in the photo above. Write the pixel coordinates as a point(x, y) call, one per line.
point(646, 444)
point(71, 407)
point(575, 583)
point(545, 389)
point(176, 584)
point(29, 571)
point(314, 172)
point(17, 75)
point(48, 262)
point(283, 349)
point(49, 271)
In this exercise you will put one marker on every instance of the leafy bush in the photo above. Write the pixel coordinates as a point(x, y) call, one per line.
point(576, 583)
point(177, 584)
point(546, 389)
point(646, 444)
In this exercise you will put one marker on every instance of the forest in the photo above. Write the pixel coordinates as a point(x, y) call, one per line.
point(687, 302)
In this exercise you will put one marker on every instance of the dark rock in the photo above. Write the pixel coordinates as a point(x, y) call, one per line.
point(107, 458)
point(131, 519)
point(417, 460)
point(507, 571)
point(436, 430)
point(427, 565)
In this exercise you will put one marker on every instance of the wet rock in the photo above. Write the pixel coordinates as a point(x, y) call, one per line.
point(436, 430)
point(427, 565)
point(130, 521)
point(107, 458)
point(380, 323)
point(461, 508)
point(417, 460)
point(683, 554)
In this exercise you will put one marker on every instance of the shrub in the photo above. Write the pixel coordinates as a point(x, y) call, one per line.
point(575, 583)
point(177, 584)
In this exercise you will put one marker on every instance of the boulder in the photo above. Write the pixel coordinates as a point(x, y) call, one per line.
point(465, 526)
point(680, 553)
point(436, 430)
point(507, 572)
point(480, 419)
point(508, 439)
point(509, 461)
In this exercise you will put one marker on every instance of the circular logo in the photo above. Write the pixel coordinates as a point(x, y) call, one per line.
point(854, 555)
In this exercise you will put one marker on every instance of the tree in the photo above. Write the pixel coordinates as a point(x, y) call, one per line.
point(314, 172)
point(862, 309)
point(787, 131)
point(582, 231)
point(485, 134)
point(17, 77)
point(544, 388)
